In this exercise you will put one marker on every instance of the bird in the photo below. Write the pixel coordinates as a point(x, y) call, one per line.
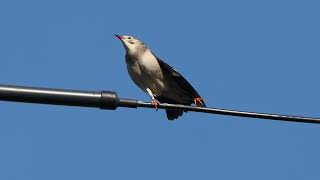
point(159, 80)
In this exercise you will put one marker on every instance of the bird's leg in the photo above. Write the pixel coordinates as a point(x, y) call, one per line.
point(154, 101)
point(198, 101)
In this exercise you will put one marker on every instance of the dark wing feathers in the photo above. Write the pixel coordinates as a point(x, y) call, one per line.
point(177, 77)
point(183, 84)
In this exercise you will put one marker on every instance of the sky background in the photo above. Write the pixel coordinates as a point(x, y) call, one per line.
point(245, 55)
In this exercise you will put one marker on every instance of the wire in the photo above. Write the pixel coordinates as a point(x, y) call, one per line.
point(110, 100)
point(234, 113)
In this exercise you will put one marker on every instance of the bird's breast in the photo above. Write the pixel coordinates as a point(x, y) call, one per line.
point(145, 71)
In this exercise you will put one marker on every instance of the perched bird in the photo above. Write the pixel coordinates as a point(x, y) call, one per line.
point(158, 79)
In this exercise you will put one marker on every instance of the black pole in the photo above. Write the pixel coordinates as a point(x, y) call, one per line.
point(103, 100)
point(110, 100)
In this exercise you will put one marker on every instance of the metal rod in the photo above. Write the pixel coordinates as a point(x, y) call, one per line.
point(228, 112)
point(110, 100)
point(103, 99)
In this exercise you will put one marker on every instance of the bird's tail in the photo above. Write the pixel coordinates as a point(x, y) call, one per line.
point(199, 102)
point(173, 114)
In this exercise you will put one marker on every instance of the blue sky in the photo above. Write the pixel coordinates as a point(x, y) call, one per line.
point(245, 55)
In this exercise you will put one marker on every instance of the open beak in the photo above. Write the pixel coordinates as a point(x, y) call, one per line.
point(118, 36)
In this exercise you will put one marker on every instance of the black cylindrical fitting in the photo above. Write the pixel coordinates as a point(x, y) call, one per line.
point(103, 100)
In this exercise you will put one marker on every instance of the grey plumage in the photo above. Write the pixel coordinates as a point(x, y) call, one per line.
point(158, 79)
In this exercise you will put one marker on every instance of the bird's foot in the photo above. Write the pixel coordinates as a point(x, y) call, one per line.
point(198, 102)
point(155, 103)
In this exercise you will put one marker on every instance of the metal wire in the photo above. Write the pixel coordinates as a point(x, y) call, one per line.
point(110, 100)
point(234, 113)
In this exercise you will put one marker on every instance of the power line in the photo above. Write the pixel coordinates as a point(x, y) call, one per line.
point(110, 100)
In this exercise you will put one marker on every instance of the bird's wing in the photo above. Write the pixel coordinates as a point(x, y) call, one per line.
point(178, 78)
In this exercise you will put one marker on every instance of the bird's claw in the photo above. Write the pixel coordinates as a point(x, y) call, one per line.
point(198, 101)
point(155, 103)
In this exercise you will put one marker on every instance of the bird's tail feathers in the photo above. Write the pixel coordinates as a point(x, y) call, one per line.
point(173, 114)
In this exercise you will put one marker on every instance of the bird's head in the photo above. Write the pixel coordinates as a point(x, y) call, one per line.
point(131, 44)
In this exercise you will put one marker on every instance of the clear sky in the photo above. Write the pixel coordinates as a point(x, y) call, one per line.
point(245, 55)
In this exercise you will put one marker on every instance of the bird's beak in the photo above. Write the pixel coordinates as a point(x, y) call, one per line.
point(118, 36)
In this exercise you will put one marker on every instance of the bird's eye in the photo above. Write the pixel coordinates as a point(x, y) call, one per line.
point(129, 38)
